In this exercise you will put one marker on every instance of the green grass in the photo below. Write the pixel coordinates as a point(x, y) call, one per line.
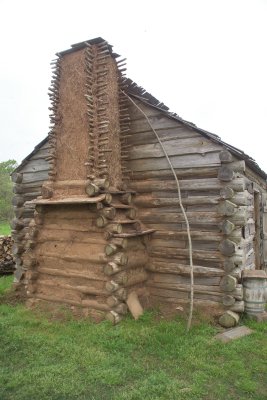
point(5, 228)
point(148, 359)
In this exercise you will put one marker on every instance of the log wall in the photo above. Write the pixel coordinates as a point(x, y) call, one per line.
point(28, 180)
point(218, 194)
point(218, 199)
point(86, 255)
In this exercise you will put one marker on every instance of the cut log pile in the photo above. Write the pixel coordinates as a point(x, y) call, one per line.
point(7, 263)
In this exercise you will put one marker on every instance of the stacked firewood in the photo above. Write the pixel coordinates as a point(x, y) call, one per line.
point(7, 264)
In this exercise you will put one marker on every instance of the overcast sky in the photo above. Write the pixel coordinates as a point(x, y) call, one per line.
point(205, 59)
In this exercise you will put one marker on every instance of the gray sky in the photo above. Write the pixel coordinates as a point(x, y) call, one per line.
point(205, 59)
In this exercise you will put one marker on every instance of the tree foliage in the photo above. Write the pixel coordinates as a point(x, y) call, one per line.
point(6, 168)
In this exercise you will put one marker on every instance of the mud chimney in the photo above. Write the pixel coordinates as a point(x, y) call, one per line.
point(86, 248)
point(88, 119)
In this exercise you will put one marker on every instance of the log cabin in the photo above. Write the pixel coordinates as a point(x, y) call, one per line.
point(99, 225)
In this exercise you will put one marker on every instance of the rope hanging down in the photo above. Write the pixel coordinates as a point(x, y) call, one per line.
point(189, 321)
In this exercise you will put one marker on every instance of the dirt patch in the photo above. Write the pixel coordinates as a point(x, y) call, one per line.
point(14, 296)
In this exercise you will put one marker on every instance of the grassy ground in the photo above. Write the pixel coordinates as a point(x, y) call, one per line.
point(147, 359)
point(4, 228)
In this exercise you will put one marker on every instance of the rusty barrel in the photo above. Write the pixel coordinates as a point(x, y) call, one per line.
point(255, 291)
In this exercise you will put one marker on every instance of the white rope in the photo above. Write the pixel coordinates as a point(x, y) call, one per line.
point(189, 321)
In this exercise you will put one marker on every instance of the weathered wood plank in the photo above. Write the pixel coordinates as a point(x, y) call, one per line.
point(35, 165)
point(158, 122)
point(210, 172)
point(170, 253)
point(174, 147)
point(179, 132)
point(35, 177)
point(182, 161)
point(148, 201)
point(180, 269)
point(155, 215)
point(183, 279)
point(146, 186)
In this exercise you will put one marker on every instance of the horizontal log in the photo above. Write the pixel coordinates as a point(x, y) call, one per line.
point(165, 134)
point(170, 253)
point(23, 188)
point(55, 299)
point(92, 275)
point(174, 147)
point(185, 279)
point(180, 269)
point(180, 161)
point(74, 225)
point(105, 198)
point(183, 235)
point(213, 306)
point(70, 255)
point(136, 257)
point(35, 166)
point(148, 201)
point(158, 122)
point(146, 186)
point(90, 290)
point(35, 178)
point(211, 172)
point(154, 215)
point(61, 235)
point(128, 235)
point(95, 305)
point(183, 288)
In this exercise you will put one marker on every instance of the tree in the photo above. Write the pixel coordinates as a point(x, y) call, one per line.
point(6, 168)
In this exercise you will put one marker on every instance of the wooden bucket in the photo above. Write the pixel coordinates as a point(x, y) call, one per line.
point(255, 291)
